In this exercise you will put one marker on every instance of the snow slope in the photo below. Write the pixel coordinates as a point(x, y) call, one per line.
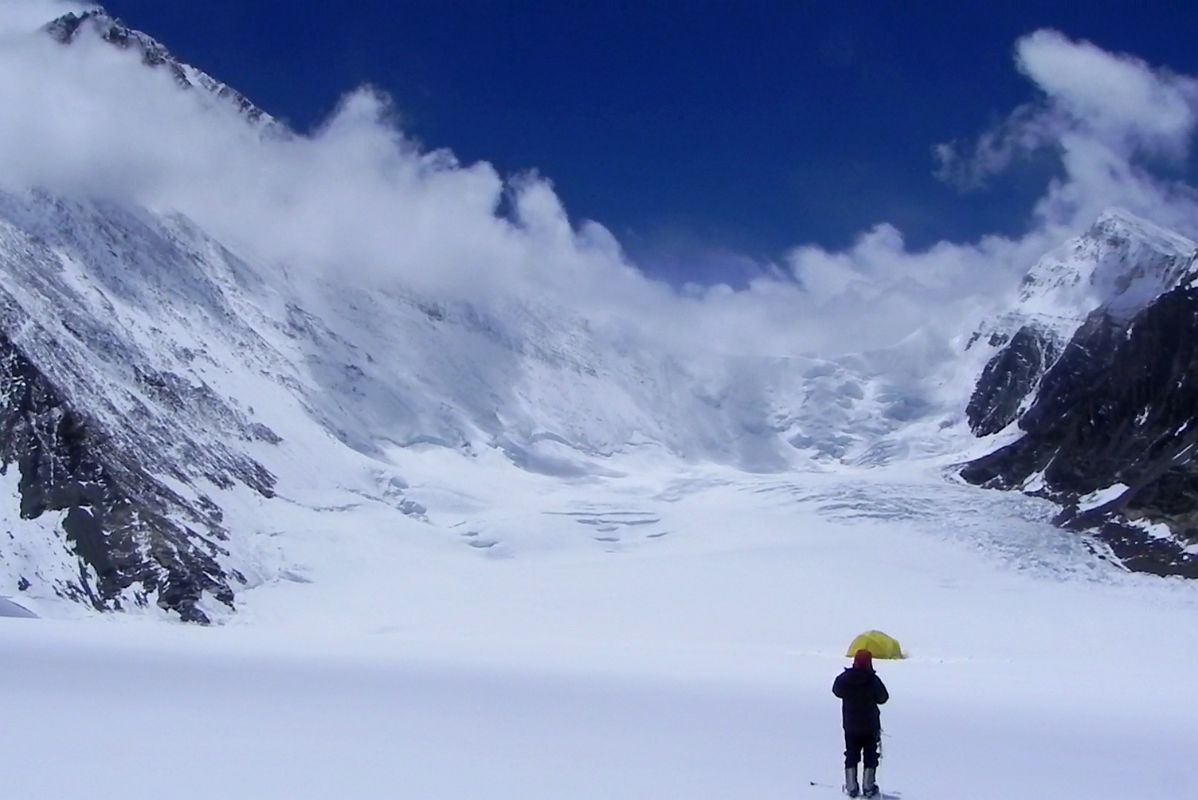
point(696, 664)
point(244, 391)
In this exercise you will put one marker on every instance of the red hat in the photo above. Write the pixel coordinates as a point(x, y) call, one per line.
point(863, 659)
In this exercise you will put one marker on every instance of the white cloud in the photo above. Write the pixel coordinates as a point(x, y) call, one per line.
point(1028, 128)
point(21, 16)
point(359, 199)
point(1115, 96)
point(1112, 118)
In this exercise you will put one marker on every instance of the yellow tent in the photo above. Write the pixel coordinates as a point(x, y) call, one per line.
point(878, 644)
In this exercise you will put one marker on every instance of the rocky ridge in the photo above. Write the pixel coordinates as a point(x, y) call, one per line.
point(97, 22)
point(1105, 421)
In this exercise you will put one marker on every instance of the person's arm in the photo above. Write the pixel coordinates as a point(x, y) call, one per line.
point(880, 693)
point(838, 685)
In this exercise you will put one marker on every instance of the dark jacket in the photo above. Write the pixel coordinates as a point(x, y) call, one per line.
point(861, 692)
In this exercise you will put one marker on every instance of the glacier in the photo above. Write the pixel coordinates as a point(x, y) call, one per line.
point(493, 544)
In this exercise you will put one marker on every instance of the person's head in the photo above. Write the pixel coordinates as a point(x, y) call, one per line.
point(863, 659)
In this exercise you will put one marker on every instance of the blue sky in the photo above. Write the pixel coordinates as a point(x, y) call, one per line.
point(699, 133)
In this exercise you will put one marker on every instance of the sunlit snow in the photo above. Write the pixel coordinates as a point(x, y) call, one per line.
point(538, 527)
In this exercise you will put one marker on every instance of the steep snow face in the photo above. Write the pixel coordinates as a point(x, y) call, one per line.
point(210, 396)
point(107, 332)
point(1121, 264)
point(377, 368)
point(394, 368)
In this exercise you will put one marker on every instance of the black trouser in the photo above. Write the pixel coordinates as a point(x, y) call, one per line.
point(857, 743)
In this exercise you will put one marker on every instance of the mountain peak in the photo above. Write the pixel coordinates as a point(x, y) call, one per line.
point(97, 22)
point(1120, 225)
point(69, 27)
point(1121, 263)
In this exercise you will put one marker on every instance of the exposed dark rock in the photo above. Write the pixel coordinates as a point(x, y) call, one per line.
point(1008, 379)
point(122, 524)
point(1118, 407)
point(69, 27)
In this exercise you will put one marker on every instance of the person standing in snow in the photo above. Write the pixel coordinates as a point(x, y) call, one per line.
point(861, 691)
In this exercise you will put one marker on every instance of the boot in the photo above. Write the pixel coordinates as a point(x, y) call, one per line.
point(869, 787)
point(850, 782)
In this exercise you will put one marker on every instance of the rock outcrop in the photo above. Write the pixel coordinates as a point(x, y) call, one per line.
point(1111, 430)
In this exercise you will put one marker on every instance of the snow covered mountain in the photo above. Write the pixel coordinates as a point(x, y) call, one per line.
point(1119, 266)
point(182, 416)
point(1097, 382)
point(155, 381)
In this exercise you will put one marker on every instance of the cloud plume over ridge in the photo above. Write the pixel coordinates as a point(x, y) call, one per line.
point(358, 198)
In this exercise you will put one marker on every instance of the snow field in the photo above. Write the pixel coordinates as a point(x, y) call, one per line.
point(560, 664)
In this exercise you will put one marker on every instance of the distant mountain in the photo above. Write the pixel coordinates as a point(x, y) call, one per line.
point(170, 403)
point(1099, 379)
point(172, 406)
point(175, 409)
